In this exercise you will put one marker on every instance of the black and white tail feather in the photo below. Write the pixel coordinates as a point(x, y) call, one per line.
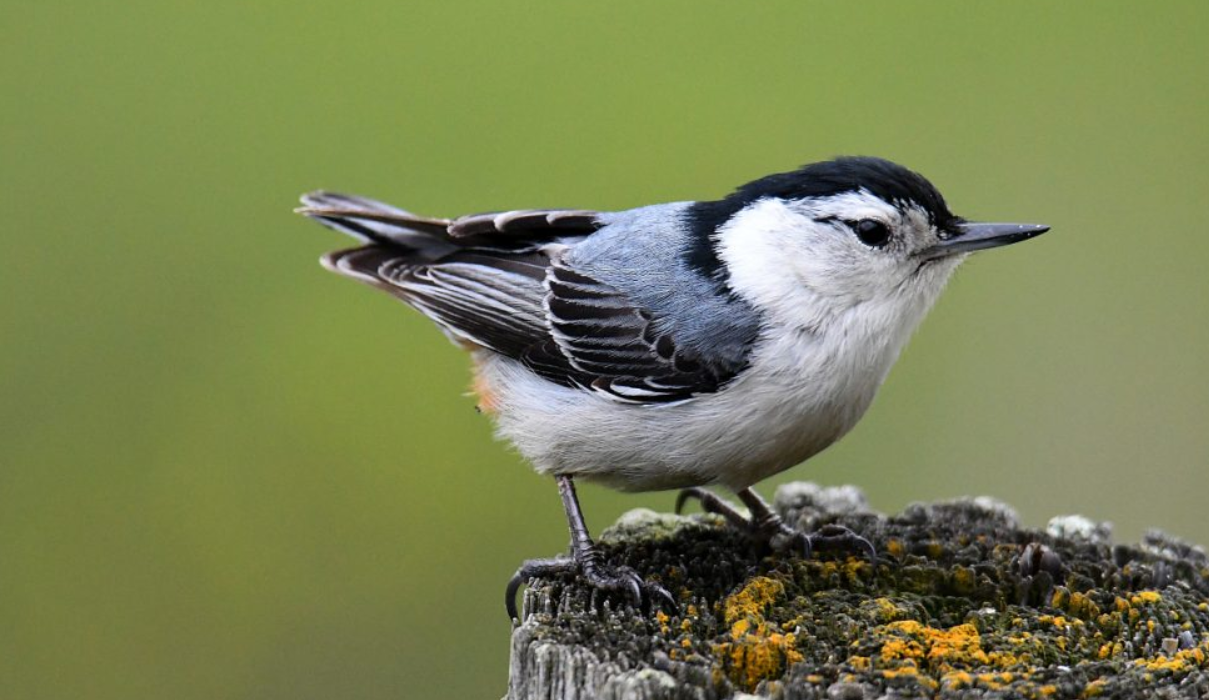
point(498, 281)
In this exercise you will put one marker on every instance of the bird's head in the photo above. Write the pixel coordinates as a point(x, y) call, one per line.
point(836, 235)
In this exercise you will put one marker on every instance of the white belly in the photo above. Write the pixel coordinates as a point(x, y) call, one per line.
point(790, 404)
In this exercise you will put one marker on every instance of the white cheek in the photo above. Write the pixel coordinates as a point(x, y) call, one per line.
point(763, 256)
point(847, 271)
point(796, 268)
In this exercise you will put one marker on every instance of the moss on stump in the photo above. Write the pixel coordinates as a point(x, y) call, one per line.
point(960, 603)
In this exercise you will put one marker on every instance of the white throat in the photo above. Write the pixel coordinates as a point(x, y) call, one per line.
point(825, 351)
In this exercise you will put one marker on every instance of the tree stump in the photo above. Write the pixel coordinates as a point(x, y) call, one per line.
point(961, 602)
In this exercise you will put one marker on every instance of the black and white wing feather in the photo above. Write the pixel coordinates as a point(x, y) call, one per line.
point(497, 281)
point(491, 301)
point(524, 223)
point(600, 340)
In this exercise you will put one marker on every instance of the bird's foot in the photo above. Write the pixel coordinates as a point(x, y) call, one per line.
point(603, 579)
point(766, 527)
point(585, 561)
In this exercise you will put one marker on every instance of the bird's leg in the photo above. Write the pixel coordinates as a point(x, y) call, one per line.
point(585, 559)
point(829, 538)
point(712, 503)
point(767, 527)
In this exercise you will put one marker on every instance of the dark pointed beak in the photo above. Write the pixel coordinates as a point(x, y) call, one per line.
point(969, 237)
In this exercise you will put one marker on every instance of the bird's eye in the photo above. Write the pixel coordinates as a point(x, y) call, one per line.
point(872, 233)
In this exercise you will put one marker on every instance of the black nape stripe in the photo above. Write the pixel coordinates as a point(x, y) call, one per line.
point(884, 179)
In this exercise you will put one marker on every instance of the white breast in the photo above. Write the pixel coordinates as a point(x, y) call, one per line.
point(796, 398)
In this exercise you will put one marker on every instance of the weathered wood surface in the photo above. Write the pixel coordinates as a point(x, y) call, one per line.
point(961, 603)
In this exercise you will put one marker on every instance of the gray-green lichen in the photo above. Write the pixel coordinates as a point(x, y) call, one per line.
point(960, 602)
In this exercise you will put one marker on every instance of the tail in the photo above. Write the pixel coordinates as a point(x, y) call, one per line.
point(377, 223)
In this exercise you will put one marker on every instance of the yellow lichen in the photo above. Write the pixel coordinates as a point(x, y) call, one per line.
point(884, 609)
point(663, 619)
point(740, 628)
point(957, 645)
point(902, 650)
point(1146, 597)
point(758, 649)
point(899, 648)
point(1057, 621)
point(855, 567)
point(1003, 659)
point(956, 680)
point(753, 599)
point(1178, 663)
point(848, 571)
point(907, 642)
point(907, 626)
point(1002, 678)
point(1077, 604)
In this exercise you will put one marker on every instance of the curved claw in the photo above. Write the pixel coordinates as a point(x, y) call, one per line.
point(625, 579)
point(622, 579)
point(648, 592)
point(629, 579)
point(514, 585)
point(667, 602)
point(532, 569)
point(837, 537)
point(767, 528)
point(695, 492)
point(807, 546)
point(643, 594)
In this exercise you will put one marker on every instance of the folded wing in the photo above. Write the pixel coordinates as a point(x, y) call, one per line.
point(497, 281)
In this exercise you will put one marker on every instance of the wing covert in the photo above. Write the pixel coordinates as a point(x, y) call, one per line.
point(602, 341)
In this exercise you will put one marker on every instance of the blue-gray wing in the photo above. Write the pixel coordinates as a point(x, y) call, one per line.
point(492, 280)
point(601, 340)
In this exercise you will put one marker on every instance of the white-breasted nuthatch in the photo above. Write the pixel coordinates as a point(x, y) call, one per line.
point(677, 345)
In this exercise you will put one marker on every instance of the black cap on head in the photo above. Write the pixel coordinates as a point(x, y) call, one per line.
point(888, 181)
point(884, 179)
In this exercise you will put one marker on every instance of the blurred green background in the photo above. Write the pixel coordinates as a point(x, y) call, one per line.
point(225, 473)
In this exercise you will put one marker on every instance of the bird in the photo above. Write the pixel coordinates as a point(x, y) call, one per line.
point(679, 345)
